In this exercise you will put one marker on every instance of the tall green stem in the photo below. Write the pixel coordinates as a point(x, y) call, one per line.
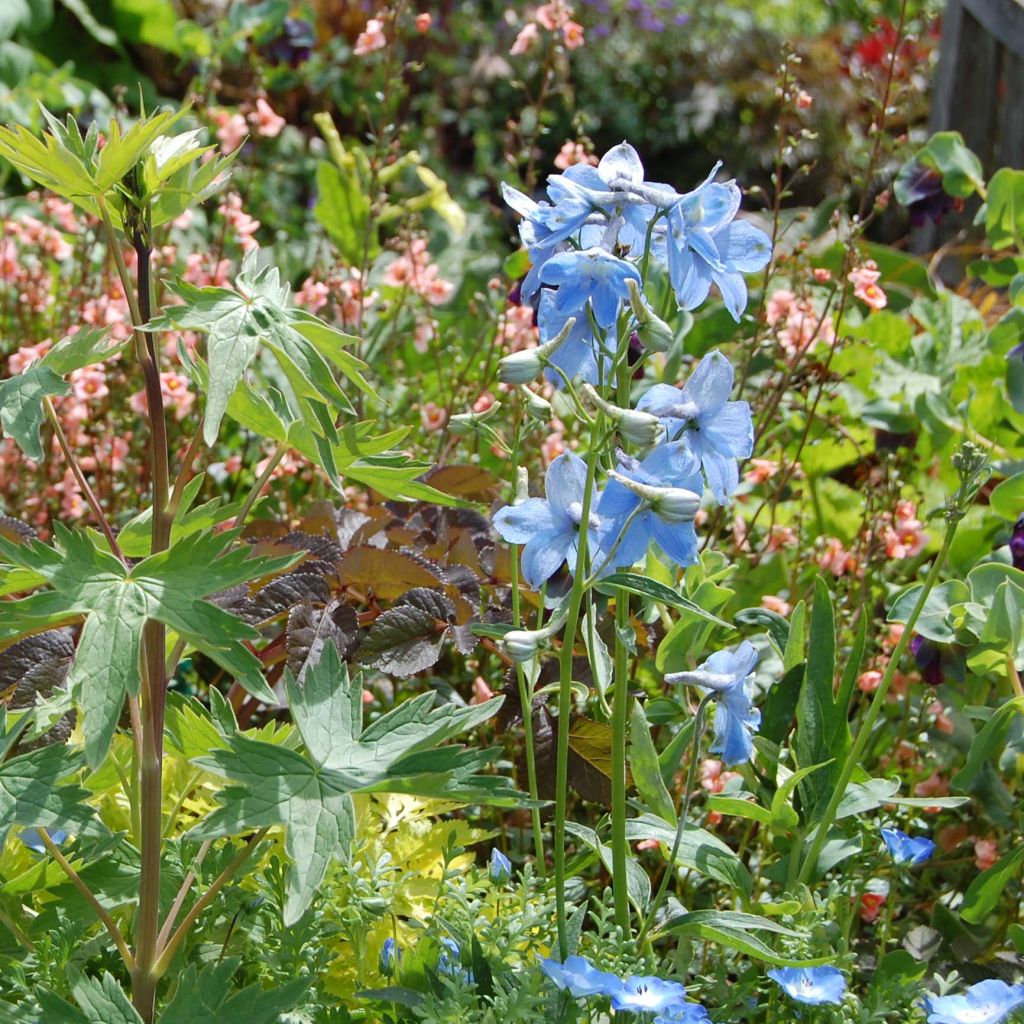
point(620, 719)
point(874, 710)
point(565, 689)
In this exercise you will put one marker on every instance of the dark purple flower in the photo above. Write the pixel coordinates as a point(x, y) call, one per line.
point(925, 198)
point(928, 658)
point(294, 44)
point(1017, 543)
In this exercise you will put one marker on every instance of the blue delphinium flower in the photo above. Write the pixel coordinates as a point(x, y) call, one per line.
point(593, 276)
point(705, 245)
point(726, 674)
point(988, 1002)
point(578, 354)
point(907, 849)
point(716, 430)
point(500, 867)
point(811, 985)
point(390, 956)
point(646, 994)
point(580, 978)
point(668, 466)
point(550, 527)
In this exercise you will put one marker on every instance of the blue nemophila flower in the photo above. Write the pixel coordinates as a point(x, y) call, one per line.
point(671, 476)
point(907, 849)
point(500, 867)
point(580, 978)
point(549, 527)
point(811, 985)
point(33, 840)
point(716, 430)
point(727, 674)
point(646, 994)
point(705, 245)
point(988, 1002)
point(684, 1013)
point(593, 276)
point(390, 957)
point(448, 962)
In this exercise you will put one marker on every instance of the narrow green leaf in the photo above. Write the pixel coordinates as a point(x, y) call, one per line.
point(992, 736)
point(655, 591)
point(643, 760)
point(984, 892)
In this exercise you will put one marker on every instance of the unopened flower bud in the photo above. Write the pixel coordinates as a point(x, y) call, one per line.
point(522, 367)
point(467, 422)
point(522, 644)
point(537, 408)
point(654, 334)
point(640, 428)
point(670, 504)
point(522, 484)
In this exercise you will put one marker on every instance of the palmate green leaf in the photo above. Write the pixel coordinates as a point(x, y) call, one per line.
point(116, 601)
point(237, 321)
point(22, 397)
point(31, 795)
point(102, 1001)
point(310, 793)
point(206, 997)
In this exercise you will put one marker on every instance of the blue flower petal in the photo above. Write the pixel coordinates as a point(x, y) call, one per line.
point(543, 554)
point(710, 384)
point(811, 985)
point(730, 430)
point(677, 540)
point(520, 523)
point(621, 161)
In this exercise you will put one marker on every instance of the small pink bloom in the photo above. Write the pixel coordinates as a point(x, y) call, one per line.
point(572, 35)
point(871, 904)
point(780, 302)
point(371, 39)
point(573, 153)
point(89, 383)
point(760, 470)
point(482, 693)
point(986, 853)
point(776, 604)
point(869, 681)
point(232, 131)
point(484, 402)
point(266, 122)
point(822, 275)
point(433, 417)
point(864, 280)
point(524, 42)
point(554, 15)
point(804, 100)
point(423, 21)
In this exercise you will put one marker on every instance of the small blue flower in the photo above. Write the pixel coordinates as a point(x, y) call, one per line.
point(705, 245)
point(448, 961)
point(907, 849)
point(580, 978)
point(577, 355)
point(390, 957)
point(550, 527)
point(500, 867)
point(32, 839)
point(669, 465)
point(988, 1002)
point(593, 276)
point(716, 430)
point(646, 994)
point(685, 1013)
point(811, 985)
point(726, 674)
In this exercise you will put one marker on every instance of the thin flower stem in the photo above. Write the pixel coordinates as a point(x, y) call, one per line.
point(1011, 671)
point(181, 481)
point(83, 484)
point(874, 710)
point(90, 898)
point(179, 900)
point(257, 488)
point(620, 719)
point(167, 951)
point(691, 777)
point(565, 690)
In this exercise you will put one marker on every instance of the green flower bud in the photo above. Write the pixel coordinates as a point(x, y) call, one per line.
point(522, 367)
point(655, 335)
point(640, 428)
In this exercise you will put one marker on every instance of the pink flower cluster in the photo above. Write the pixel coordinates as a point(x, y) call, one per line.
point(796, 323)
point(243, 226)
point(341, 294)
point(555, 17)
point(415, 270)
point(573, 153)
point(233, 126)
point(903, 533)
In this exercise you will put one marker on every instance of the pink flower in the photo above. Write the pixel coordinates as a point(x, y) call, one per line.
point(804, 100)
point(572, 35)
point(177, 396)
point(433, 417)
point(865, 288)
point(89, 383)
point(27, 355)
point(779, 303)
point(986, 853)
point(761, 470)
point(266, 122)
point(554, 15)
point(482, 693)
point(423, 21)
point(871, 904)
point(822, 275)
point(835, 558)
point(573, 153)
point(313, 295)
point(869, 681)
point(232, 130)
point(776, 604)
point(524, 42)
point(371, 39)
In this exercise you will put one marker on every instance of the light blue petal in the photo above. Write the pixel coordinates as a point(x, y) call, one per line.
point(701, 241)
point(677, 540)
point(519, 523)
point(565, 483)
point(723, 475)
point(710, 384)
point(621, 161)
point(744, 247)
point(693, 282)
point(730, 430)
point(734, 292)
point(719, 202)
point(659, 399)
point(674, 465)
point(617, 501)
point(605, 302)
point(543, 554)
point(519, 201)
